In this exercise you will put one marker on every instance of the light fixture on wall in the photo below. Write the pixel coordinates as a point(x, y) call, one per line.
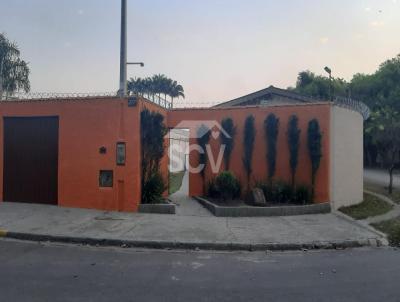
point(121, 153)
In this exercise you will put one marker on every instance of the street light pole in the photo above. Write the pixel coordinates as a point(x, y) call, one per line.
point(141, 64)
point(122, 66)
point(329, 71)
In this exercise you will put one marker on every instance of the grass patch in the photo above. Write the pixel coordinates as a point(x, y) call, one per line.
point(391, 228)
point(175, 181)
point(382, 190)
point(371, 206)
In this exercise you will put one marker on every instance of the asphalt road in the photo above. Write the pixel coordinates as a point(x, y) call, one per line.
point(381, 177)
point(49, 272)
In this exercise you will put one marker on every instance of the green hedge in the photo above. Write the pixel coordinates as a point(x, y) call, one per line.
point(282, 192)
point(225, 186)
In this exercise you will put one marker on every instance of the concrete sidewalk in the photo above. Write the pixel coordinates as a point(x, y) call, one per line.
point(41, 222)
point(186, 206)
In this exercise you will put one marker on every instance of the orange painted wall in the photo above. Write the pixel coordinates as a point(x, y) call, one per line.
point(304, 112)
point(85, 125)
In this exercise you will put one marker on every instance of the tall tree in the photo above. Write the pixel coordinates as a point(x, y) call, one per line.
point(308, 83)
point(249, 134)
point(314, 137)
point(381, 88)
point(385, 129)
point(14, 72)
point(176, 91)
point(157, 81)
point(271, 129)
point(293, 136)
point(376, 90)
point(153, 131)
point(227, 139)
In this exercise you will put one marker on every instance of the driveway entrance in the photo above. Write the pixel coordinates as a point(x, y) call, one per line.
point(185, 205)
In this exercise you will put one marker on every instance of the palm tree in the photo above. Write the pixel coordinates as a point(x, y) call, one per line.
point(14, 72)
point(166, 87)
point(158, 81)
point(148, 87)
point(176, 91)
point(156, 85)
point(133, 86)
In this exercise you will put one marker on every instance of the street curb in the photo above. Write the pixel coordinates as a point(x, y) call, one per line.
point(383, 240)
point(383, 197)
point(254, 211)
point(196, 245)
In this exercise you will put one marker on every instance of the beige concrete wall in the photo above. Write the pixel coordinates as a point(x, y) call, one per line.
point(346, 157)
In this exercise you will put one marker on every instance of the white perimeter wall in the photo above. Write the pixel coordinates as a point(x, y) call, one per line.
point(346, 157)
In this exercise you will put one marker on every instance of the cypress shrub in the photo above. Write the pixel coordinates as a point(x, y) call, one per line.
point(248, 147)
point(293, 136)
point(314, 138)
point(271, 127)
point(203, 137)
point(230, 129)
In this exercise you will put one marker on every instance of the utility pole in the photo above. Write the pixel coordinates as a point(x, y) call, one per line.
point(122, 67)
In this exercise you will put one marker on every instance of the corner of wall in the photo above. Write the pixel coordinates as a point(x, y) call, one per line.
point(346, 162)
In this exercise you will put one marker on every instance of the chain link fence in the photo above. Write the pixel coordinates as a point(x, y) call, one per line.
point(353, 105)
point(55, 95)
point(177, 104)
point(37, 96)
point(183, 105)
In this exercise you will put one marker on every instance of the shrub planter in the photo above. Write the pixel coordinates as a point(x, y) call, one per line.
point(158, 208)
point(252, 211)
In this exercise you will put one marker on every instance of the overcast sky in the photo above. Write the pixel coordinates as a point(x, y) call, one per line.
point(218, 49)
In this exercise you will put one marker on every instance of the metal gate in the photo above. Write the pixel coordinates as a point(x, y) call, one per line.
point(30, 159)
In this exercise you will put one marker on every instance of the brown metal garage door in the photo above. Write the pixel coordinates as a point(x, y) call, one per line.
point(30, 159)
